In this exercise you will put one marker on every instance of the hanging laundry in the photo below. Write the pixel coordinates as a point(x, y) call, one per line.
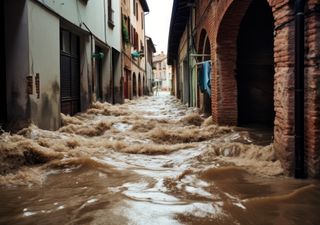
point(204, 74)
point(207, 75)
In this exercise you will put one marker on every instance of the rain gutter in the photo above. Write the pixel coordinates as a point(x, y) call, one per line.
point(299, 89)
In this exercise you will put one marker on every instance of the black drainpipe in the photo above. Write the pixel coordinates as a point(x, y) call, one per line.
point(188, 59)
point(299, 89)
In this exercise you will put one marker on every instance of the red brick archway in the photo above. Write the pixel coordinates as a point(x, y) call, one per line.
point(229, 15)
point(225, 94)
point(225, 110)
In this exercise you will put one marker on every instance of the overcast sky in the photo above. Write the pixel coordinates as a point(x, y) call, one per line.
point(158, 22)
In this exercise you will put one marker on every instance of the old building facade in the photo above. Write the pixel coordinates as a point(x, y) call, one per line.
point(162, 72)
point(58, 57)
point(150, 50)
point(134, 51)
point(264, 59)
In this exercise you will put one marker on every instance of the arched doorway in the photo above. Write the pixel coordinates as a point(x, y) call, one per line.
point(204, 99)
point(244, 65)
point(134, 85)
point(255, 66)
point(139, 85)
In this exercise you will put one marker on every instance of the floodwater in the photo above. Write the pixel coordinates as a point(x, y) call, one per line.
point(149, 161)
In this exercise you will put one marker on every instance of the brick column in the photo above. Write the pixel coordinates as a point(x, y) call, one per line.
point(284, 84)
point(312, 89)
point(224, 106)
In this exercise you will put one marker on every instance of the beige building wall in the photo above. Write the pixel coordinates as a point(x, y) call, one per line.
point(44, 63)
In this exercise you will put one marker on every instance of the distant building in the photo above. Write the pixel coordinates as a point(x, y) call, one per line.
point(149, 58)
point(162, 72)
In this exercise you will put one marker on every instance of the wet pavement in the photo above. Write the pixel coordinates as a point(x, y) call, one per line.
point(149, 161)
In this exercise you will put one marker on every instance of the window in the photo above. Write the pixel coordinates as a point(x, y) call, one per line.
point(136, 40)
point(110, 14)
point(134, 7)
point(131, 34)
point(137, 10)
point(142, 20)
point(129, 29)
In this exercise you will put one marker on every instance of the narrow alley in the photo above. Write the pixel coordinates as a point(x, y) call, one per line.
point(150, 161)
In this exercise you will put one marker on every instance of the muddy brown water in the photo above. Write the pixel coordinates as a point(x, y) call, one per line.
point(149, 161)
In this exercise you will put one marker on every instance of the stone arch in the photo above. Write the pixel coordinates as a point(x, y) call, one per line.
point(204, 45)
point(227, 63)
point(204, 48)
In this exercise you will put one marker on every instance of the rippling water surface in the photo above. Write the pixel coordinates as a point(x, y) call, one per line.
point(149, 161)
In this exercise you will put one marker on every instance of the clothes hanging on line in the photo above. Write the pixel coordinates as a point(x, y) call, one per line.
point(204, 74)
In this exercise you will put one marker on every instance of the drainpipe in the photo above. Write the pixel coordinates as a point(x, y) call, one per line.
point(299, 88)
point(145, 56)
point(92, 61)
point(188, 62)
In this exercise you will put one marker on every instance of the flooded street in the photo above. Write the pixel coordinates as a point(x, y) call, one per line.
point(148, 161)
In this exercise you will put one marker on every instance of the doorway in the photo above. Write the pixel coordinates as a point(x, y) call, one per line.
point(98, 67)
point(139, 85)
point(69, 73)
point(134, 85)
point(255, 67)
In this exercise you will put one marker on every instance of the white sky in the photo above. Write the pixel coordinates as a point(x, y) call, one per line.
point(158, 22)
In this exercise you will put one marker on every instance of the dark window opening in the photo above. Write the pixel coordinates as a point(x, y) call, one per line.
point(142, 20)
point(139, 85)
point(137, 11)
point(134, 85)
point(134, 7)
point(99, 80)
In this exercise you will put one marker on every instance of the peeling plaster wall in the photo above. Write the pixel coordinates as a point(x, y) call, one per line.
point(17, 63)
point(44, 57)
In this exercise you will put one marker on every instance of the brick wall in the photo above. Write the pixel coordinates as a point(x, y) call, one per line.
point(312, 88)
point(221, 20)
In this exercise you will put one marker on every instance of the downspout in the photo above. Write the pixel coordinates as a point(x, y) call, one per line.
point(188, 59)
point(92, 62)
point(105, 21)
point(145, 56)
point(299, 89)
point(112, 72)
